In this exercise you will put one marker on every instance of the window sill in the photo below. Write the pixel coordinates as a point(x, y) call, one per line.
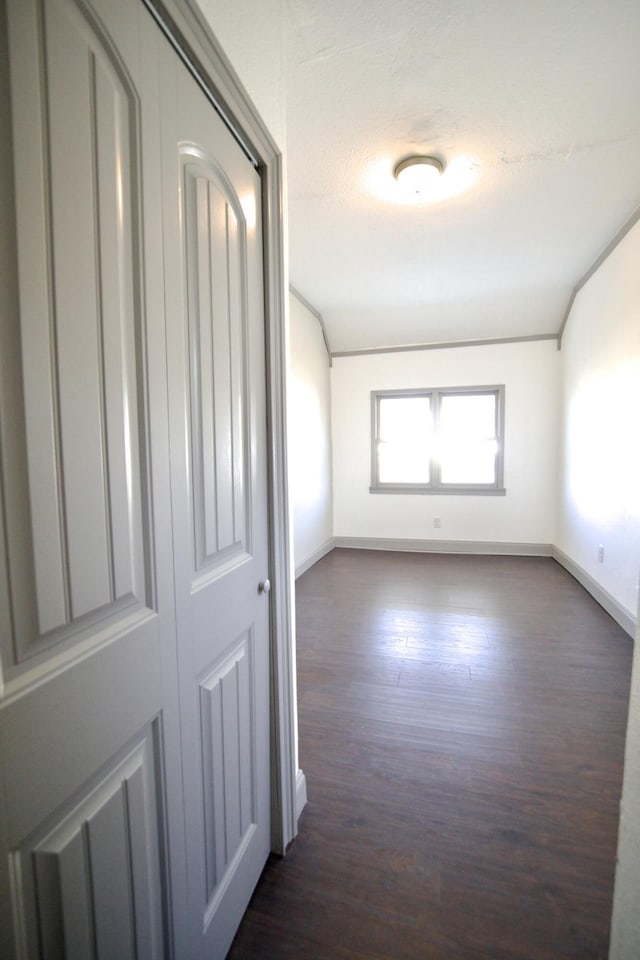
point(440, 491)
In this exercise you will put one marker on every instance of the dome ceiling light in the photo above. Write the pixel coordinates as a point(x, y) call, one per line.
point(418, 175)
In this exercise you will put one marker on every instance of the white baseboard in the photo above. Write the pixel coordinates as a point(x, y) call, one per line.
point(619, 613)
point(301, 793)
point(481, 547)
point(315, 556)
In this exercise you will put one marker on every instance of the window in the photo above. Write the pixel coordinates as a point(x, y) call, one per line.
point(446, 440)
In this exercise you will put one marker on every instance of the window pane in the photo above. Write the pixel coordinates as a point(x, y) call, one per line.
point(405, 439)
point(472, 461)
point(403, 463)
point(467, 445)
point(404, 419)
point(468, 415)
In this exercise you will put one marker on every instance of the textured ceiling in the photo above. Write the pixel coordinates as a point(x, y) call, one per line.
point(533, 104)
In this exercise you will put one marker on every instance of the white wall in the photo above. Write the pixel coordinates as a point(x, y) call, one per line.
point(599, 488)
point(526, 514)
point(625, 925)
point(309, 404)
point(599, 502)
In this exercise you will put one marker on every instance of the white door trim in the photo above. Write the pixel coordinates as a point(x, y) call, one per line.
point(189, 31)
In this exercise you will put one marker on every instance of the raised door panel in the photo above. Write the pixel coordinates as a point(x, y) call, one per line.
point(88, 886)
point(216, 304)
point(228, 762)
point(86, 500)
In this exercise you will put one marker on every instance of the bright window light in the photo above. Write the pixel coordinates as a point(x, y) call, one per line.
point(400, 459)
point(468, 446)
point(441, 440)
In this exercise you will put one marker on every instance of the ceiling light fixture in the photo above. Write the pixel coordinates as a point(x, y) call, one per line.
point(417, 175)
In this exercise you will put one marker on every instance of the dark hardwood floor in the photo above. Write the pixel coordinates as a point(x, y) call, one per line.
point(462, 726)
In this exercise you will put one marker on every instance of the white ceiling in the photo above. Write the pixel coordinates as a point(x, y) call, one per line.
point(538, 100)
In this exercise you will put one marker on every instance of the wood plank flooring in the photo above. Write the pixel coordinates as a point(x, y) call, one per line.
point(462, 726)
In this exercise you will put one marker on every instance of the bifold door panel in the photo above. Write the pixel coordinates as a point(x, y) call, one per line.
point(217, 417)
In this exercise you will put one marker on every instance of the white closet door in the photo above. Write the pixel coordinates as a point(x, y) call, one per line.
point(134, 703)
point(214, 293)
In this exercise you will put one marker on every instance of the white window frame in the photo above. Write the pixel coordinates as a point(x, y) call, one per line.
point(435, 484)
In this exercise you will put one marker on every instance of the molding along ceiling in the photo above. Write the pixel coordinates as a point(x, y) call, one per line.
point(534, 110)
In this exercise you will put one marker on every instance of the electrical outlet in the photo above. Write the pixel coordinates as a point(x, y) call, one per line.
point(436, 522)
point(600, 554)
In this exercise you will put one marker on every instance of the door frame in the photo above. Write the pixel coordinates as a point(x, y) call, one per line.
point(192, 37)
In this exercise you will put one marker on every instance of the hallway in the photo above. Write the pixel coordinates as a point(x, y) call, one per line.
point(462, 726)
